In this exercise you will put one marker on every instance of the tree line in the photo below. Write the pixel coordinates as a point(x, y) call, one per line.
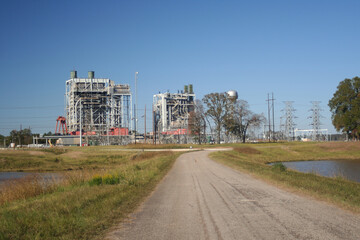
point(21, 137)
point(222, 114)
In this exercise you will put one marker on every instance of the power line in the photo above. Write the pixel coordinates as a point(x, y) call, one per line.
point(29, 107)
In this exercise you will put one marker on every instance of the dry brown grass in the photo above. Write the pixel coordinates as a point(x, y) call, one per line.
point(247, 150)
point(26, 187)
point(36, 153)
point(78, 177)
point(35, 184)
point(148, 155)
point(340, 146)
point(73, 154)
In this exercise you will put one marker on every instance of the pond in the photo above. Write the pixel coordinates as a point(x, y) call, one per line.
point(349, 169)
point(4, 176)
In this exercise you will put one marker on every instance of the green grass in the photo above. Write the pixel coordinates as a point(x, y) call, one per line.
point(81, 209)
point(253, 159)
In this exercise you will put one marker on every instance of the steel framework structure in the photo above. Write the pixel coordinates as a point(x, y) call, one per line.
point(102, 104)
point(173, 110)
point(316, 120)
point(289, 120)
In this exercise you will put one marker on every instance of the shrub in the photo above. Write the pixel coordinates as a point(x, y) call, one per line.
point(110, 179)
point(96, 180)
point(106, 179)
point(279, 167)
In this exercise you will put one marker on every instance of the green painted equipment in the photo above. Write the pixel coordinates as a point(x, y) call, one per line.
point(185, 89)
point(191, 91)
point(91, 74)
point(73, 74)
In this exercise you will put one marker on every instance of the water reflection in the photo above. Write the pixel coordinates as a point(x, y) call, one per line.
point(349, 169)
point(12, 175)
point(46, 177)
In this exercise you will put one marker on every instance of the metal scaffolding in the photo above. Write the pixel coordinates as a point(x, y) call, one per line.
point(97, 105)
point(173, 109)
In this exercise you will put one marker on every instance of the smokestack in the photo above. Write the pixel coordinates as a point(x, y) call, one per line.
point(191, 91)
point(91, 74)
point(185, 89)
point(73, 74)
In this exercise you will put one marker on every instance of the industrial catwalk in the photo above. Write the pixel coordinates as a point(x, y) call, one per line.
point(201, 199)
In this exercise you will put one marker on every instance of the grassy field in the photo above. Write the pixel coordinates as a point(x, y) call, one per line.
point(75, 158)
point(64, 159)
point(253, 159)
point(102, 188)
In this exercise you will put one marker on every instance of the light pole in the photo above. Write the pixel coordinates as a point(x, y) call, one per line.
point(136, 104)
point(80, 120)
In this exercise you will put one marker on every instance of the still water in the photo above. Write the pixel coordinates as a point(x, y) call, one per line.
point(16, 175)
point(12, 175)
point(349, 169)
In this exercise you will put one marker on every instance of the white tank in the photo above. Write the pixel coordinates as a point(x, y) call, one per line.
point(232, 94)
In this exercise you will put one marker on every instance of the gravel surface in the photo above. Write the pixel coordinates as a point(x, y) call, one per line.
point(201, 199)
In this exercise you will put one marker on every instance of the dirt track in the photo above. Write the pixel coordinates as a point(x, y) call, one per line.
point(201, 199)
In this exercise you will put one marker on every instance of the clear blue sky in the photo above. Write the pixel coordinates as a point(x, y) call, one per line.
point(299, 50)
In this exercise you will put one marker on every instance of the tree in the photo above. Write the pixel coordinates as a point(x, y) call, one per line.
point(23, 136)
point(240, 118)
point(2, 140)
point(197, 122)
point(345, 107)
point(218, 106)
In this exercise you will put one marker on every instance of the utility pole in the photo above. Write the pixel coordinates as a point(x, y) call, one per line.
point(145, 124)
point(136, 103)
point(268, 100)
point(153, 124)
point(273, 115)
point(20, 134)
point(135, 123)
point(271, 110)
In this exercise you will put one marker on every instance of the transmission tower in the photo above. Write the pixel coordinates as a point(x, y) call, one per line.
point(315, 119)
point(289, 124)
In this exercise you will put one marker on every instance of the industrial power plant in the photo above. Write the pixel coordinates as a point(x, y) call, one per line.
point(173, 109)
point(97, 108)
point(171, 113)
point(97, 105)
point(100, 112)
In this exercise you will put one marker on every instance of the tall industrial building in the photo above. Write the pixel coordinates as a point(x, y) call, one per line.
point(98, 105)
point(172, 110)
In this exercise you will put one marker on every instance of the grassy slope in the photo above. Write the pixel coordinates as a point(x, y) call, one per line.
point(62, 159)
point(81, 211)
point(253, 158)
point(75, 158)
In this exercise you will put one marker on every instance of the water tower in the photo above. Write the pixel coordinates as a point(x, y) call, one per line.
point(232, 94)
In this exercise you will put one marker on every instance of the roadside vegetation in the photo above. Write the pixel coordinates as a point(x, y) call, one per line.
point(66, 158)
point(99, 191)
point(254, 159)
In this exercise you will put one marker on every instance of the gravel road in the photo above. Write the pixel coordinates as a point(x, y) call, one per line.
point(201, 199)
